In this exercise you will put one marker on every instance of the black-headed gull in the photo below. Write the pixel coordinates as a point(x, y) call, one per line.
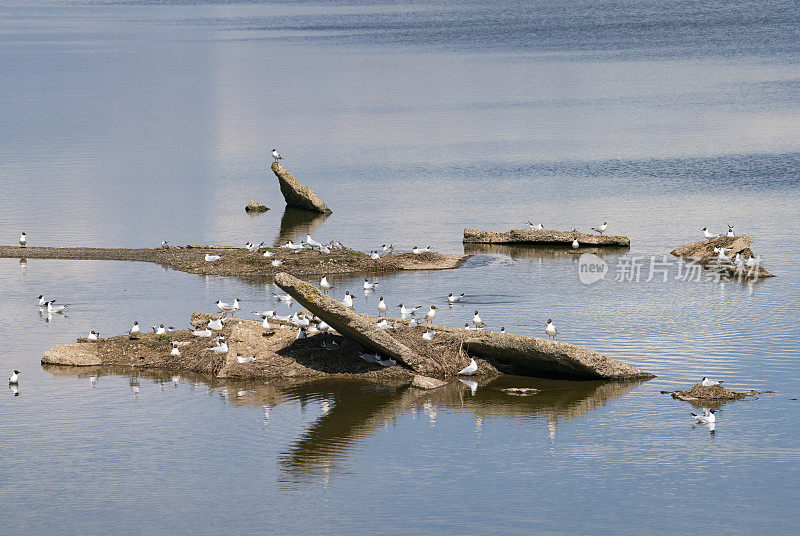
point(202, 332)
point(14, 378)
point(241, 359)
point(330, 346)
point(216, 325)
point(160, 330)
point(707, 382)
point(374, 255)
point(730, 234)
point(23, 239)
point(706, 418)
point(470, 369)
point(429, 335)
point(384, 324)
point(175, 350)
point(93, 335)
point(135, 330)
point(406, 312)
point(535, 227)
point(228, 307)
point(311, 242)
point(220, 348)
point(348, 300)
point(42, 301)
point(301, 333)
point(368, 285)
point(551, 329)
point(324, 284)
point(388, 362)
point(413, 323)
point(269, 254)
point(212, 258)
point(477, 321)
point(453, 298)
point(55, 308)
point(431, 314)
point(602, 228)
point(284, 298)
point(165, 244)
point(276, 155)
point(708, 234)
point(575, 244)
point(381, 306)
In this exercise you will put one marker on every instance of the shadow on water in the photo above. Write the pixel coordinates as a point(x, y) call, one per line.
point(353, 410)
point(539, 252)
point(296, 223)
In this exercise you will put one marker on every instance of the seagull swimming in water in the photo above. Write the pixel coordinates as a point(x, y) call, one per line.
point(368, 285)
point(535, 227)
point(477, 321)
point(453, 298)
point(276, 155)
point(348, 300)
point(212, 258)
point(602, 228)
point(406, 312)
point(284, 298)
point(470, 369)
point(42, 301)
point(14, 378)
point(706, 419)
point(51, 309)
point(706, 382)
point(551, 330)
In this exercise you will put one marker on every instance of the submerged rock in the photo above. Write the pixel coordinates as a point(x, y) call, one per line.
point(424, 382)
point(296, 194)
point(543, 237)
point(255, 206)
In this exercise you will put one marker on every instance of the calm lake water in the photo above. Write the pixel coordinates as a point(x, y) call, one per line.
point(127, 123)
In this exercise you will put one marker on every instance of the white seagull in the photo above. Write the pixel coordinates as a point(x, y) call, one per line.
point(23, 239)
point(575, 244)
point(202, 332)
point(374, 255)
point(212, 258)
point(602, 228)
point(381, 306)
point(93, 335)
point(535, 227)
point(470, 369)
point(384, 324)
point(220, 348)
point(174, 350)
point(276, 155)
point(413, 323)
point(706, 382)
point(42, 301)
point(311, 242)
point(228, 307)
point(269, 254)
point(431, 314)
point(348, 300)
point(406, 312)
point(241, 359)
point(368, 285)
point(730, 234)
point(706, 419)
point(160, 330)
point(14, 378)
point(134, 331)
point(429, 335)
point(453, 299)
point(707, 234)
point(551, 330)
point(55, 308)
point(277, 262)
point(477, 321)
point(301, 333)
point(216, 325)
point(284, 298)
point(324, 284)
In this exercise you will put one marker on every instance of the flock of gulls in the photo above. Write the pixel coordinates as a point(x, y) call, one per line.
point(310, 324)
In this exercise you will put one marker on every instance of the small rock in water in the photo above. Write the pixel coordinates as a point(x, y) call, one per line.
point(255, 206)
point(520, 391)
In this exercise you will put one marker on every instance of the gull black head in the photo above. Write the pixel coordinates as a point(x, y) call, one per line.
point(711, 411)
point(135, 323)
point(41, 296)
point(433, 307)
point(16, 372)
point(476, 312)
point(549, 320)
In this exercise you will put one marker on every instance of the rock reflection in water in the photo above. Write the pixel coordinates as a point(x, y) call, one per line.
point(296, 223)
point(350, 411)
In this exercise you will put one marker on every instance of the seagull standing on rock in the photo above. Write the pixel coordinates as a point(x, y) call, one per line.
point(325, 285)
point(348, 300)
point(276, 155)
point(551, 329)
point(212, 258)
point(133, 333)
point(477, 321)
point(602, 228)
point(708, 235)
point(706, 382)
point(381, 306)
point(575, 244)
point(730, 234)
point(470, 369)
point(406, 312)
point(23, 239)
point(431, 314)
point(535, 227)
